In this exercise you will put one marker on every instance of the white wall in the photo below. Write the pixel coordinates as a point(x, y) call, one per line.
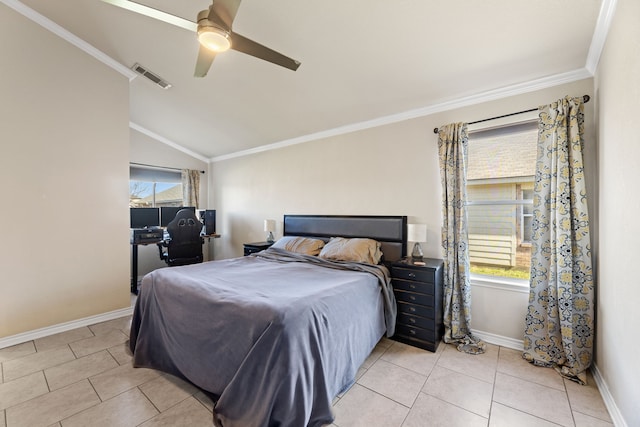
point(63, 168)
point(388, 170)
point(146, 150)
point(618, 318)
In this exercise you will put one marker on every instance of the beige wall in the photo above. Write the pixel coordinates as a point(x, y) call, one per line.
point(65, 152)
point(388, 170)
point(618, 317)
point(146, 150)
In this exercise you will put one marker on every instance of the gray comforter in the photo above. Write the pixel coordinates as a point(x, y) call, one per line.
point(272, 337)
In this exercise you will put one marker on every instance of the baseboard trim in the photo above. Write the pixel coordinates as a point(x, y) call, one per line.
point(500, 340)
point(63, 327)
point(614, 412)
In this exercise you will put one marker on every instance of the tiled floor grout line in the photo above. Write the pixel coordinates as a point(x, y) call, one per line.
point(94, 389)
point(46, 380)
point(73, 352)
point(151, 401)
point(458, 406)
point(493, 386)
point(573, 417)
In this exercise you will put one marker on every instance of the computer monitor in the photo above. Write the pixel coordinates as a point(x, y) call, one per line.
point(167, 213)
point(208, 217)
point(144, 217)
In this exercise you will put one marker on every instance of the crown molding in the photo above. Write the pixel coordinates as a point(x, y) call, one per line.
point(66, 35)
point(600, 33)
point(491, 95)
point(166, 141)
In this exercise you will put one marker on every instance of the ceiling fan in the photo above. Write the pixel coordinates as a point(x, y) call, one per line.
point(214, 33)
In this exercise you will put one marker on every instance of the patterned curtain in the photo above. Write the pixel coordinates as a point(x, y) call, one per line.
point(452, 148)
point(190, 187)
point(559, 321)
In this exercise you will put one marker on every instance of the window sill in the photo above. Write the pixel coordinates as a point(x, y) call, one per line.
point(502, 283)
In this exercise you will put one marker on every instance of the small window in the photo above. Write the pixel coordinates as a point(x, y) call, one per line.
point(154, 188)
point(527, 216)
point(500, 177)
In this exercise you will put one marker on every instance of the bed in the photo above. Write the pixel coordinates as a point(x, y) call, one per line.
point(273, 337)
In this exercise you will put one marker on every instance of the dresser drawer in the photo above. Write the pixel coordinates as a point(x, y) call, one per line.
point(414, 298)
point(416, 310)
point(415, 332)
point(413, 286)
point(421, 275)
point(417, 321)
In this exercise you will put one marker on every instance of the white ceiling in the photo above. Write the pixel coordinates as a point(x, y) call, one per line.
point(362, 60)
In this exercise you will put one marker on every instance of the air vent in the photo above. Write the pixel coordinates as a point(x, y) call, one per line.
point(156, 79)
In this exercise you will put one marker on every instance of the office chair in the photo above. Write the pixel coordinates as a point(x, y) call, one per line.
point(184, 245)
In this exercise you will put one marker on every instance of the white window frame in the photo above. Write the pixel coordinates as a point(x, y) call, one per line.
point(525, 215)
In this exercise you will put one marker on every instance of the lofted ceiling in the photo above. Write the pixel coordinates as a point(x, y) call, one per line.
point(362, 60)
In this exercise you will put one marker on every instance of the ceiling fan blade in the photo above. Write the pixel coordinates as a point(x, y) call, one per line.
point(245, 45)
point(205, 59)
point(155, 13)
point(225, 10)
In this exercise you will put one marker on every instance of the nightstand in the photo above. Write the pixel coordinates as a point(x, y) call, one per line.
point(250, 248)
point(418, 292)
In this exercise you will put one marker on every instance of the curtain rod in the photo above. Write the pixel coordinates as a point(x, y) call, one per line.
point(158, 167)
point(585, 99)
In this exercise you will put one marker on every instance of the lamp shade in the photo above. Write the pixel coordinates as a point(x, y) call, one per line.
point(270, 225)
point(214, 39)
point(417, 232)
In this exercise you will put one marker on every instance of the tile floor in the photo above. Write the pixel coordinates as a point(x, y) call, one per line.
point(84, 377)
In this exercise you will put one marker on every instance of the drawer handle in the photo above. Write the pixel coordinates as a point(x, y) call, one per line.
point(412, 298)
point(412, 331)
point(412, 309)
point(412, 320)
point(412, 275)
point(412, 286)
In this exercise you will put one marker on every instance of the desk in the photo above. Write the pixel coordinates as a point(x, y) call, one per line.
point(134, 258)
point(134, 263)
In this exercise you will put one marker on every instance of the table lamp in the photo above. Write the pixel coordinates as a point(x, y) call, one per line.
point(270, 227)
point(417, 233)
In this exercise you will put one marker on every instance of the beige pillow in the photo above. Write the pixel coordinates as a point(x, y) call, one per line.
point(356, 250)
point(299, 245)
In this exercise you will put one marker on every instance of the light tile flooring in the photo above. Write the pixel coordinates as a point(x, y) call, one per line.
point(84, 377)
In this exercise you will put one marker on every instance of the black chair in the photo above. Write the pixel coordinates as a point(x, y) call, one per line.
point(184, 245)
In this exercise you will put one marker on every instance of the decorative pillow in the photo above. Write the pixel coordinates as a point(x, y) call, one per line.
point(300, 245)
point(356, 250)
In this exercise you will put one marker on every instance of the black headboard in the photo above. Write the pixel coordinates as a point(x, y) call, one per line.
point(390, 231)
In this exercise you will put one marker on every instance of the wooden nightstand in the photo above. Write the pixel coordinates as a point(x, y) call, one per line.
point(418, 291)
point(250, 248)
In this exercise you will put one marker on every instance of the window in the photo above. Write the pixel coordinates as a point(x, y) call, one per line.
point(500, 177)
point(526, 217)
point(152, 187)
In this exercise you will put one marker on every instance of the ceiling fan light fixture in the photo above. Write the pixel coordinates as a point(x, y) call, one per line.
point(214, 38)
